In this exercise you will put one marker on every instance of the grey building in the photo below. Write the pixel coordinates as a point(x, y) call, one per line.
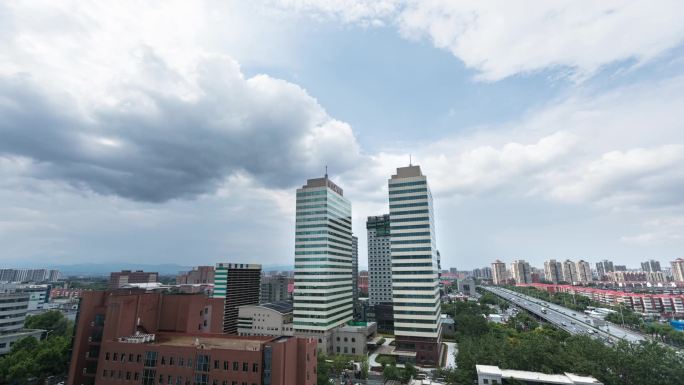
point(13, 309)
point(274, 289)
point(355, 269)
point(379, 260)
point(603, 268)
point(553, 271)
point(651, 266)
point(354, 337)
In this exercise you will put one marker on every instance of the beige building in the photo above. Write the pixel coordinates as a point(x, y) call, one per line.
point(266, 319)
point(499, 273)
point(354, 337)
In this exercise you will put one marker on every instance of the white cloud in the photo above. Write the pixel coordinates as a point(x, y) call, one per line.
point(504, 38)
point(635, 176)
point(137, 104)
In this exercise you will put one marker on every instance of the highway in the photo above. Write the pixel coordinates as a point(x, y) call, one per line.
point(572, 321)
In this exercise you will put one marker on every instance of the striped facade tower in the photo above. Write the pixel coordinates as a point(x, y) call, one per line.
point(415, 272)
point(238, 284)
point(323, 261)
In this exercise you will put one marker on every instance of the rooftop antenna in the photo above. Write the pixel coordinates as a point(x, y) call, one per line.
point(410, 160)
point(326, 171)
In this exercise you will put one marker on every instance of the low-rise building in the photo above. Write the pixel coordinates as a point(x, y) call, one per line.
point(354, 337)
point(13, 309)
point(266, 319)
point(493, 375)
point(164, 337)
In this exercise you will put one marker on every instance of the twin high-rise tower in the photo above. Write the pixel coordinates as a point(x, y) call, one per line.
point(323, 261)
point(323, 264)
point(415, 272)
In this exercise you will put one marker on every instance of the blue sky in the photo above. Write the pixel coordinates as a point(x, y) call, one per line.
point(177, 133)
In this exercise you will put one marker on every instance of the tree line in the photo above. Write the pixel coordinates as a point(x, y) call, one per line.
point(524, 344)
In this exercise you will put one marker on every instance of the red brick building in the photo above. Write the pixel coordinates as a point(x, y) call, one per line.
point(133, 337)
point(198, 275)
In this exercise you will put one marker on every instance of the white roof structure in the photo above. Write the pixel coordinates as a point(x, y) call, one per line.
point(494, 372)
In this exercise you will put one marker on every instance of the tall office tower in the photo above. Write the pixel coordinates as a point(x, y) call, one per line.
point(569, 271)
point(620, 267)
point(603, 268)
point(323, 261)
point(499, 273)
point(521, 271)
point(355, 269)
point(238, 284)
point(553, 270)
point(678, 269)
point(583, 271)
point(415, 274)
point(650, 266)
point(274, 289)
point(379, 260)
point(118, 279)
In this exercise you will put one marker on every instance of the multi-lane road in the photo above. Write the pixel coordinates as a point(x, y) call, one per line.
point(572, 321)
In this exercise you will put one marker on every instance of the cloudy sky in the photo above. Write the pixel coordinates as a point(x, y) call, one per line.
point(177, 133)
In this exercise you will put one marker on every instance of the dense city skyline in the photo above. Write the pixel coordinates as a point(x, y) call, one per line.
point(178, 134)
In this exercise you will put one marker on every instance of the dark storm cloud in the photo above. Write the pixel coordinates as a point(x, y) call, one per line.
point(153, 145)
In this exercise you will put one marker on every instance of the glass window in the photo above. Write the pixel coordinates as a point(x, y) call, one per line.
point(255, 367)
point(203, 363)
point(148, 376)
point(236, 365)
point(245, 367)
point(150, 359)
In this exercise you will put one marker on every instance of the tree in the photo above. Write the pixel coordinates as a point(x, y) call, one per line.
point(409, 372)
point(53, 321)
point(390, 372)
point(322, 370)
point(364, 369)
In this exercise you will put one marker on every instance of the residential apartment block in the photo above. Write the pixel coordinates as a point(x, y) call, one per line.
point(379, 260)
point(238, 284)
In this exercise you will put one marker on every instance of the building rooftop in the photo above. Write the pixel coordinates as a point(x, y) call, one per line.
point(566, 378)
point(207, 341)
point(407, 172)
point(282, 307)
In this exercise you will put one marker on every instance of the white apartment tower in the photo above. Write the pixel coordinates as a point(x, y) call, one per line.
point(379, 260)
point(415, 272)
point(569, 271)
point(499, 273)
point(323, 261)
point(678, 269)
point(553, 271)
point(522, 273)
point(584, 272)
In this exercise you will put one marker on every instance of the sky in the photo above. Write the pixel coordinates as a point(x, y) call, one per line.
point(178, 132)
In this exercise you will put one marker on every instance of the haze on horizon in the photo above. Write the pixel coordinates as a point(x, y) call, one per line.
point(178, 133)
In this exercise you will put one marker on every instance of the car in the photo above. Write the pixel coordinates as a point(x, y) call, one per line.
point(564, 323)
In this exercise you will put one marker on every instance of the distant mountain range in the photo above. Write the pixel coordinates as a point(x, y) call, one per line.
point(103, 269)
